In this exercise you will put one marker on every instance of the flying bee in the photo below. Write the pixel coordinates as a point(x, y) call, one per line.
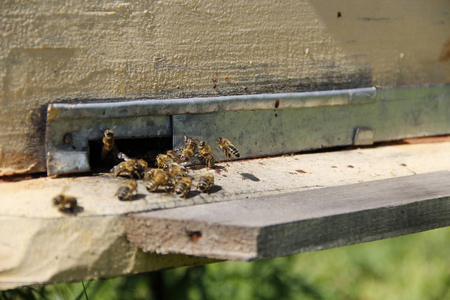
point(183, 186)
point(205, 152)
point(190, 147)
point(205, 183)
point(227, 147)
point(64, 202)
point(175, 157)
point(160, 178)
point(126, 191)
point(109, 145)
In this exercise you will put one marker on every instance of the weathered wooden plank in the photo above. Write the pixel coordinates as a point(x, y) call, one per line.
point(42, 245)
point(288, 223)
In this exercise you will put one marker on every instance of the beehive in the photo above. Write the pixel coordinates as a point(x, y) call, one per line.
point(102, 51)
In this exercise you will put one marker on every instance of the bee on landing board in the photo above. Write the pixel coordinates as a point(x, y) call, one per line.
point(176, 171)
point(151, 172)
point(131, 167)
point(142, 164)
point(183, 186)
point(127, 190)
point(227, 147)
point(163, 160)
point(64, 202)
point(205, 183)
point(160, 178)
point(175, 157)
point(189, 149)
point(205, 153)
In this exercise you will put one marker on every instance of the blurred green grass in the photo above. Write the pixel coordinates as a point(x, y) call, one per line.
point(409, 267)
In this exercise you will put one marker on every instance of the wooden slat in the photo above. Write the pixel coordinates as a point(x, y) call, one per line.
point(289, 223)
point(186, 48)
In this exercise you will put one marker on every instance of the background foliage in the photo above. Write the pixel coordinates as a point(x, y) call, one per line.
point(409, 267)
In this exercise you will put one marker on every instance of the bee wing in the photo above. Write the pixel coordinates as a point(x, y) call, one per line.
point(123, 156)
point(114, 169)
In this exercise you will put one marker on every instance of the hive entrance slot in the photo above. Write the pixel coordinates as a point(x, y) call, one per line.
point(145, 148)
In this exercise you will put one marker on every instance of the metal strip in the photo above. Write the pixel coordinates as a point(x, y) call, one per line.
point(135, 108)
point(258, 125)
point(397, 113)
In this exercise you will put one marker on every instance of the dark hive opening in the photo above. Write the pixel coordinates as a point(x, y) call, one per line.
point(144, 148)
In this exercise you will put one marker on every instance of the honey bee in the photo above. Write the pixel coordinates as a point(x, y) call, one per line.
point(133, 168)
point(175, 157)
point(64, 202)
point(183, 186)
point(162, 160)
point(205, 152)
point(176, 171)
point(109, 145)
point(227, 147)
point(151, 172)
point(160, 178)
point(189, 148)
point(205, 183)
point(141, 162)
point(126, 191)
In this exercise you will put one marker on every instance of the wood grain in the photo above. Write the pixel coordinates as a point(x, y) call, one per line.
point(41, 245)
point(74, 51)
point(290, 223)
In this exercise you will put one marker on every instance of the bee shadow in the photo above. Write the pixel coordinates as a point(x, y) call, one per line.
point(72, 211)
point(249, 176)
point(197, 167)
point(138, 197)
point(216, 167)
point(159, 191)
point(213, 189)
point(192, 194)
point(134, 198)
